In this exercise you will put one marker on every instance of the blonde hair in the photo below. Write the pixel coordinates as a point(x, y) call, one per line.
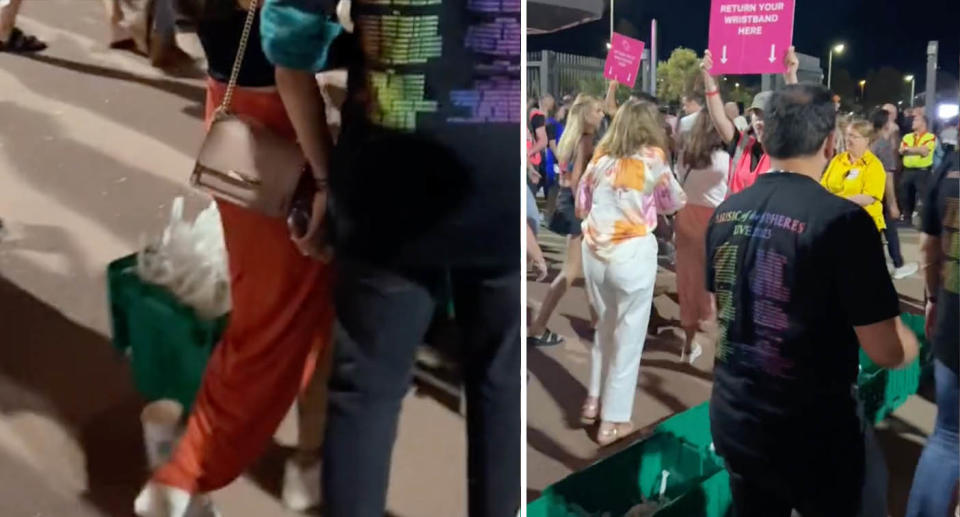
point(636, 124)
point(863, 128)
point(576, 125)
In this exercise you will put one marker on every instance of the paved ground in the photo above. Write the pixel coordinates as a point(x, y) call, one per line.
point(558, 444)
point(94, 144)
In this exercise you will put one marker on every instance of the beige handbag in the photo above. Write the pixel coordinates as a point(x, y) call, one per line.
point(244, 162)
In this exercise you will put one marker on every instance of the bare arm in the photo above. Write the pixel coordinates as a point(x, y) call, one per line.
point(610, 101)
point(888, 343)
point(541, 142)
point(792, 64)
point(308, 114)
point(719, 117)
point(584, 152)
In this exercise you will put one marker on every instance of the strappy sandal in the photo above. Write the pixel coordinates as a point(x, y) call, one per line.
point(615, 432)
point(590, 410)
point(20, 43)
point(548, 338)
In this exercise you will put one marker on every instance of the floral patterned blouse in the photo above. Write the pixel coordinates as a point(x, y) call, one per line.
point(626, 195)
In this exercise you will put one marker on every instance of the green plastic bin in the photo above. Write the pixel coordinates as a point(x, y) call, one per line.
point(168, 344)
point(884, 390)
point(679, 445)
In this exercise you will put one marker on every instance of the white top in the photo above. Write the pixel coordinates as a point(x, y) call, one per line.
point(708, 186)
point(741, 123)
point(686, 123)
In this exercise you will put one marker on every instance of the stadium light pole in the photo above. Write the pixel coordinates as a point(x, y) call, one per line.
point(836, 49)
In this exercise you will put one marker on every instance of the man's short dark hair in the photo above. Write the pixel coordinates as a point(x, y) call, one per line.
point(879, 118)
point(797, 120)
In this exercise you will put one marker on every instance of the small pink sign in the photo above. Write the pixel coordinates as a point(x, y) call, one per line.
point(623, 60)
point(750, 36)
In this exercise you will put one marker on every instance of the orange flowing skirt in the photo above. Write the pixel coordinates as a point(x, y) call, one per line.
point(281, 321)
point(696, 303)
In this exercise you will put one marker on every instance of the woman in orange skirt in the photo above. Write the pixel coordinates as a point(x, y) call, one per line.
point(703, 167)
point(279, 326)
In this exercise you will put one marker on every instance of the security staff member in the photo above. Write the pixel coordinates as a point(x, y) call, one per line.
point(917, 150)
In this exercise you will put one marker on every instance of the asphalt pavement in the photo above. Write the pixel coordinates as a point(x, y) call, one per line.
point(94, 146)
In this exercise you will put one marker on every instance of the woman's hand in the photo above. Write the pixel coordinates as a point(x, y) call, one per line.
point(894, 211)
point(791, 64)
point(315, 242)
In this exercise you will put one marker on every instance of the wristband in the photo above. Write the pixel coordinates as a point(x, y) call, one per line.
point(712, 93)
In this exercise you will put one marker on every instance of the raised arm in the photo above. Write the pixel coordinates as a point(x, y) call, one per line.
point(610, 101)
point(792, 64)
point(724, 125)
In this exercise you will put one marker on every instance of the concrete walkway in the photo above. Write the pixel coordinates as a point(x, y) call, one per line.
point(558, 444)
point(94, 145)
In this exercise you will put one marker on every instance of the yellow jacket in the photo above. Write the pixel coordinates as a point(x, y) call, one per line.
point(915, 161)
point(865, 176)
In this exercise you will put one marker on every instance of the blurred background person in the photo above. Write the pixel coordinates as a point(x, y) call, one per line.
point(883, 146)
point(574, 152)
point(620, 258)
point(702, 169)
point(12, 39)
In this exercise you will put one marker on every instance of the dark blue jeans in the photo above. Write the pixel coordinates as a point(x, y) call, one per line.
point(893, 238)
point(937, 472)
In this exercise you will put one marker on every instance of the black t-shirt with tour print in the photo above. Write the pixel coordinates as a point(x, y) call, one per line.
point(794, 269)
point(941, 218)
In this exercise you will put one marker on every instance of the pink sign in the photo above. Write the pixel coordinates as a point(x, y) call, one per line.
point(750, 36)
point(623, 60)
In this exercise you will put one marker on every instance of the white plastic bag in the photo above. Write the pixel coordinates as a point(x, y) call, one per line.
point(190, 261)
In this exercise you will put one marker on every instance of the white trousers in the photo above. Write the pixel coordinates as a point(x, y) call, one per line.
point(621, 292)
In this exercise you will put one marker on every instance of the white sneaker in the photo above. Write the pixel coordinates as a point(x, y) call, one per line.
point(696, 352)
point(301, 486)
point(156, 500)
point(905, 270)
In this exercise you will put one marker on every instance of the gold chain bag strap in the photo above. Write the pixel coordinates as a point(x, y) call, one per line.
point(244, 162)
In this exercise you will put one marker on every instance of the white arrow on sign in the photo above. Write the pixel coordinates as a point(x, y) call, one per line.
point(723, 58)
point(773, 52)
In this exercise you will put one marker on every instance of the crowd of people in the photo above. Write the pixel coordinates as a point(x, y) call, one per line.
point(777, 218)
point(344, 350)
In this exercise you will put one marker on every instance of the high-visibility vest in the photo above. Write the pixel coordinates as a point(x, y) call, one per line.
point(916, 161)
point(742, 175)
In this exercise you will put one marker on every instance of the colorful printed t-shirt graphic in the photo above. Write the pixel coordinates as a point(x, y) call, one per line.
point(420, 174)
point(941, 217)
point(794, 269)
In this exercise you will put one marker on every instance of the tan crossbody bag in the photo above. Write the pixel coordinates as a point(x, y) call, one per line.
point(244, 162)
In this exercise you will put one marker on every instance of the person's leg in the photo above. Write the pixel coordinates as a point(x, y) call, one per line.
point(570, 272)
point(696, 304)
point(893, 238)
point(486, 304)
point(752, 498)
point(301, 478)
point(382, 316)
point(908, 194)
point(633, 281)
point(13, 39)
point(936, 474)
point(281, 315)
point(601, 301)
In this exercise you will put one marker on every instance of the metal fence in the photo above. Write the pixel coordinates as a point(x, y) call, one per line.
point(560, 74)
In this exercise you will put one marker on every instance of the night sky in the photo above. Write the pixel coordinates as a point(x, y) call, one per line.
point(876, 32)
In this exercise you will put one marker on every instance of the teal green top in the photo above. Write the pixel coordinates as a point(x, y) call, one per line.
point(297, 34)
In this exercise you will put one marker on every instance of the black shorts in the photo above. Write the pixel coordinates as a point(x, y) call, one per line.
point(564, 220)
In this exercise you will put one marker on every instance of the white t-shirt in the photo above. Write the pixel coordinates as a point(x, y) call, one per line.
point(708, 186)
point(686, 123)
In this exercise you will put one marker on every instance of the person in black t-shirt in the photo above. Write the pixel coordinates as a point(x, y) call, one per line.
point(936, 475)
point(800, 281)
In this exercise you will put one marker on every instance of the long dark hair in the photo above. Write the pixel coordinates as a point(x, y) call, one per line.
point(701, 142)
